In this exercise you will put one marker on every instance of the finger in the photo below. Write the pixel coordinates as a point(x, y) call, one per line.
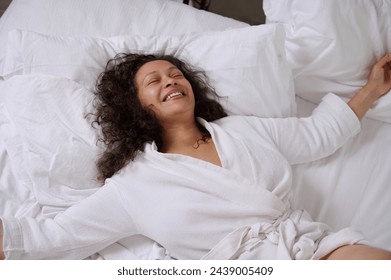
point(385, 60)
point(388, 58)
point(387, 66)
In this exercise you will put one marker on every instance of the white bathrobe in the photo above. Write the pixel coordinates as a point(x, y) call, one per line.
point(196, 210)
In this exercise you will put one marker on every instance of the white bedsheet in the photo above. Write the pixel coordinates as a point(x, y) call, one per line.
point(350, 188)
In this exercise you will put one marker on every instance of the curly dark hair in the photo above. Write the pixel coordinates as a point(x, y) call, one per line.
point(125, 125)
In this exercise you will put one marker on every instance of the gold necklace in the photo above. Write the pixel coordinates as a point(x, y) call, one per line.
point(203, 140)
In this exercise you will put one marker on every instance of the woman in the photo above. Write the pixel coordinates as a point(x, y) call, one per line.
point(202, 185)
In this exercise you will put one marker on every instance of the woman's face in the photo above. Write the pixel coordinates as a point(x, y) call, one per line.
point(162, 87)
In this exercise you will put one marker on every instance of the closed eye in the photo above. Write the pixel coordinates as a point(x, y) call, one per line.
point(153, 81)
point(177, 75)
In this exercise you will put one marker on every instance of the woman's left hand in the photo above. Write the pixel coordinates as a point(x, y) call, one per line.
point(379, 83)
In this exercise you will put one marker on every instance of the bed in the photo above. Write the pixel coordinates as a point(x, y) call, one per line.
point(51, 53)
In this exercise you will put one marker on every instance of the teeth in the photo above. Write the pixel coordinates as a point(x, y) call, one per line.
point(173, 95)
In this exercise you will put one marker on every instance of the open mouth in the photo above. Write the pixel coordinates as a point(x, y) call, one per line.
point(172, 95)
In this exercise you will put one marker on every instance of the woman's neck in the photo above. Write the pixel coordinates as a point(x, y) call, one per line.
point(181, 136)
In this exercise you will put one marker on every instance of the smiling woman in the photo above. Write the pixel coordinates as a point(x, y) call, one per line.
point(156, 88)
point(229, 195)
point(164, 91)
point(146, 82)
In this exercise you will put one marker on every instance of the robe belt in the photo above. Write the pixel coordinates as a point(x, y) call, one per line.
point(246, 238)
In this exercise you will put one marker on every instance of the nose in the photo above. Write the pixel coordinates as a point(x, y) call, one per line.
point(170, 82)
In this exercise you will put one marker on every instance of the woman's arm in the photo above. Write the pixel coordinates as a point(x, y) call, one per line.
point(82, 230)
point(379, 83)
point(331, 124)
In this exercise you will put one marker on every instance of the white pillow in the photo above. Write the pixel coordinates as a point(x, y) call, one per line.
point(331, 45)
point(248, 65)
point(51, 144)
point(107, 18)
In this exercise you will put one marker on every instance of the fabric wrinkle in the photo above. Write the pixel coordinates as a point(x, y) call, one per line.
point(247, 238)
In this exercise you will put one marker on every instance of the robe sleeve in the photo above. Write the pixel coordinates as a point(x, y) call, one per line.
point(80, 231)
point(302, 140)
